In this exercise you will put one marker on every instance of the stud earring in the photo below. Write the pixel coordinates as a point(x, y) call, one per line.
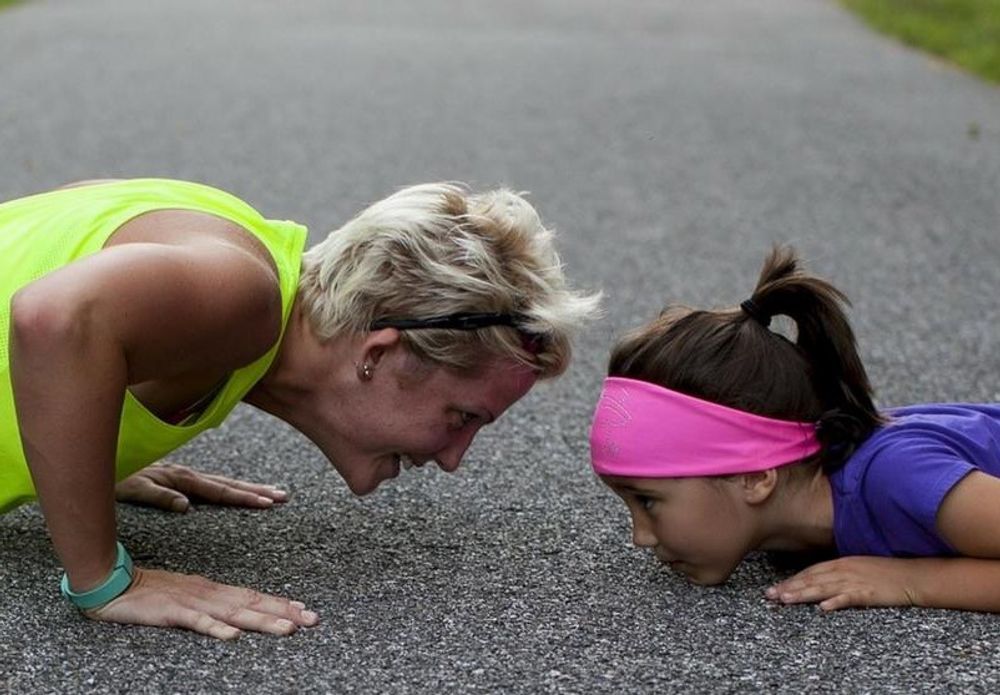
point(365, 372)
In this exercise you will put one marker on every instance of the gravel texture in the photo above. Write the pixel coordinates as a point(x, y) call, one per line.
point(670, 143)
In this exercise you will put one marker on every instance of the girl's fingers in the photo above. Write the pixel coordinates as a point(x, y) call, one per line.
point(835, 603)
point(808, 594)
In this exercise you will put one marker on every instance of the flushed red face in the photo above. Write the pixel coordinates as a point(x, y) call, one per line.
point(695, 525)
point(403, 419)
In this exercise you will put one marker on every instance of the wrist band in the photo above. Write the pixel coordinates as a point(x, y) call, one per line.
point(114, 586)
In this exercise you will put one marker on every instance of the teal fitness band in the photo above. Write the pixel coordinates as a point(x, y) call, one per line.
point(114, 586)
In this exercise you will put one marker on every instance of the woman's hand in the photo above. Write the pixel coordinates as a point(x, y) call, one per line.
point(173, 487)
point(850, 581)
point(168, 599)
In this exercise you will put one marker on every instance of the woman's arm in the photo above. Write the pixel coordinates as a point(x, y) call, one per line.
point(79, 337)
point(969, 519)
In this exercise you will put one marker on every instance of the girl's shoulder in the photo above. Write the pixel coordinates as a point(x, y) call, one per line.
point(929, 436)
point(971, 430)
point(897, 478)
point(945, 413)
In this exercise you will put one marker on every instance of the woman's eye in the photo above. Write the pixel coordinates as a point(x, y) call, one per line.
point(466, 418)
point(645, 502)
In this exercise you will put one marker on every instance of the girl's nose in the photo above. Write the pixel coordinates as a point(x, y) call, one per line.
point(642, 532)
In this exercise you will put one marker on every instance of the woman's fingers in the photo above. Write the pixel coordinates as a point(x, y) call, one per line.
point(271, 491)
point(168, 599)
point(171, 486)
point(202, 623)
point(260, 622)
point(140, 489)
point(208, 490)
point(255, 610)
point(216, 489)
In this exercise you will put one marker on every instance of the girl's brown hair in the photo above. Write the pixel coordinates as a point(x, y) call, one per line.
point(730, 357)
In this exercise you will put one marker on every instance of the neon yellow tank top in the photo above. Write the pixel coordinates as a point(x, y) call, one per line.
point(43, 232)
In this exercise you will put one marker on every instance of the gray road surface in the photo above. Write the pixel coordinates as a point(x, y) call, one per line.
point(670, 143)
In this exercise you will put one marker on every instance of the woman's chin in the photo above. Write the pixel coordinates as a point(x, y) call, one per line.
point(361, 485)
point(368, 482)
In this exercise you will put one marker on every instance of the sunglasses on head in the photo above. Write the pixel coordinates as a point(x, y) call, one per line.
point(464, 321)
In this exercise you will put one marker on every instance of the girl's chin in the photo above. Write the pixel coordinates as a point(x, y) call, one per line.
point(700, 577)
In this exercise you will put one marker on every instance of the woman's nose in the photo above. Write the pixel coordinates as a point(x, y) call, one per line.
point(449, 458)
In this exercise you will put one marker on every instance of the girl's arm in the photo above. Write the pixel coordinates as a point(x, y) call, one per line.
point(969, 519)
point(961, 583)
point(79, 336)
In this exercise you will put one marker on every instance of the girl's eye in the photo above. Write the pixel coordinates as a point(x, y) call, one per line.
point(645, 502)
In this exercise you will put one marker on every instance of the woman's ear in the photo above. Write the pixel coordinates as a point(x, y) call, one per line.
point(377, 343)
point(758, 487)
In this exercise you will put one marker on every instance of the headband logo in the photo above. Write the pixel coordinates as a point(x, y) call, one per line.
point(616, 416)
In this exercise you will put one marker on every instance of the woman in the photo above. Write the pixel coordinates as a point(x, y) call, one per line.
point(138, 313)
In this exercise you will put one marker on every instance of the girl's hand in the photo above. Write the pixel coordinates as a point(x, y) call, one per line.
point(172, 487)
point(168, 599)
point(849, 581)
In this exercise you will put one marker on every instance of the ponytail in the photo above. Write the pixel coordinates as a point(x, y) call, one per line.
point(827, 343)
point(731, 357)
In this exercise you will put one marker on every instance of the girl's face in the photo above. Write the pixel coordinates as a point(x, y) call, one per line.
point(698, 526)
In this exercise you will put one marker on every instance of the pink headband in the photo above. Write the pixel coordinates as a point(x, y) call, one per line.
point(641, 430)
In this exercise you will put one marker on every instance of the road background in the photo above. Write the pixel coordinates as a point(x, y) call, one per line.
point(670, 144)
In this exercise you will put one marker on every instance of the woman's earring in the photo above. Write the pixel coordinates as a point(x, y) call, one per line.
point(365, 372)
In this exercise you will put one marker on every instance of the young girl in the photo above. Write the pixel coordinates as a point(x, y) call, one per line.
point(723, 437)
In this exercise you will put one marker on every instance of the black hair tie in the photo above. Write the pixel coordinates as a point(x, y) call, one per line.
point(840, 433)
point(753, 310)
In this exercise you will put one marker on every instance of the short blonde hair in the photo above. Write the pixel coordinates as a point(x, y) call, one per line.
point(436, 249)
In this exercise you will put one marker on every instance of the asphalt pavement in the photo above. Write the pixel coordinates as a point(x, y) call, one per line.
point(669, 143)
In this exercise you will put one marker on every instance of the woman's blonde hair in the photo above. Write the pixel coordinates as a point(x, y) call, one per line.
point(436, 249)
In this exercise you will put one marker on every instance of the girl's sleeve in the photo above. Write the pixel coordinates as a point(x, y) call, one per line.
point(904, 487)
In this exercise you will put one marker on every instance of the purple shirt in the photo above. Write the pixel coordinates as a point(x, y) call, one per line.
point(887, 495)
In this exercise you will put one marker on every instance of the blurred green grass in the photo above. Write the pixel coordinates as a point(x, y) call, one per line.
point(965, 32)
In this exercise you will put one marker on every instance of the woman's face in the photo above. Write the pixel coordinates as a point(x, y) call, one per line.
point(409, 412)
point(695, 525)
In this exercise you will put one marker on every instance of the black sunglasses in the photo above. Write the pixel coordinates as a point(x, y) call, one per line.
point(462, 321)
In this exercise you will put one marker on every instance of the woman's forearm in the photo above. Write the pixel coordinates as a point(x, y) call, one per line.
point(69, 381)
